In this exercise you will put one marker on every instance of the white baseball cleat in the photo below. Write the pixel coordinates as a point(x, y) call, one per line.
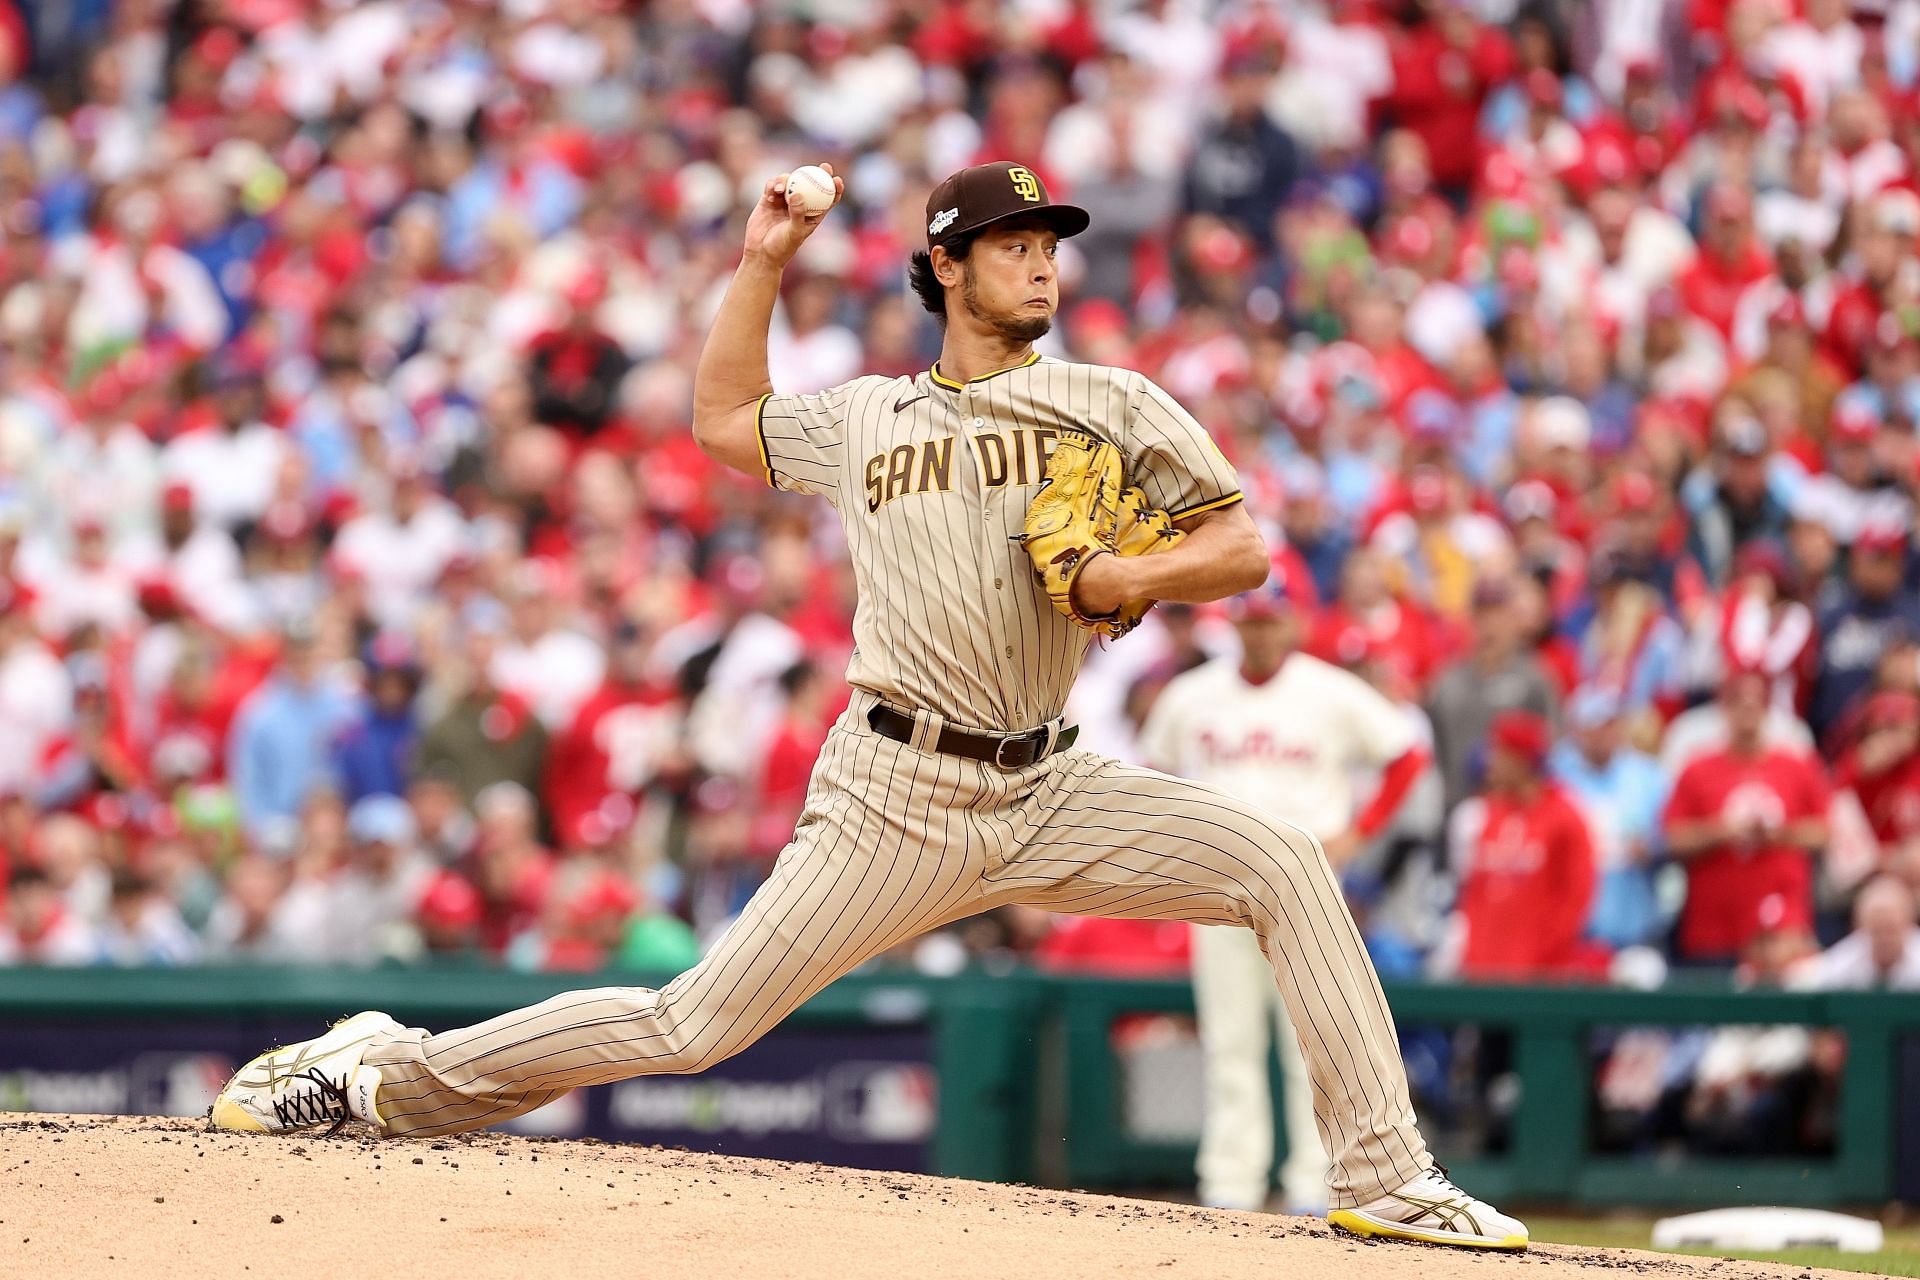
point(1433, 1210)
point(317, 1081)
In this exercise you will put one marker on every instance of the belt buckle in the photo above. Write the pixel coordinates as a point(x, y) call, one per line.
point(1000, 747)
point(1043, 737)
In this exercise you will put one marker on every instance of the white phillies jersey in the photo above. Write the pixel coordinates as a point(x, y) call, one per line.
point(932, 479)
point(1289, 745)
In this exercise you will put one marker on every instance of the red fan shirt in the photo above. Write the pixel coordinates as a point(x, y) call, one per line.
point(1712, 288)
point(785, 774)
point(1890, 798)
point(1528, 880)
point(1736, 890)
point(619, 740)
point(1117, 948)
point(1438, 88)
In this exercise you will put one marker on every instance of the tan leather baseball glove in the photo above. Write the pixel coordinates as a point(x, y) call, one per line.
point(1083, 510)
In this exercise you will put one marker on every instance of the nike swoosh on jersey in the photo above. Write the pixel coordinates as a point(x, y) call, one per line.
point(898, 405)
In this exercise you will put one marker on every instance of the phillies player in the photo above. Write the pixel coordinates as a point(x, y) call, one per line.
point(1746, 822)
point(1285, 731)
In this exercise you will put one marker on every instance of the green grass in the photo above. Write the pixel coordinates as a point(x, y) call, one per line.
point(1901, 1257)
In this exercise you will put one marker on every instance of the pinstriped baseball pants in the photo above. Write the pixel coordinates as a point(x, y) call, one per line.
point(895, 841)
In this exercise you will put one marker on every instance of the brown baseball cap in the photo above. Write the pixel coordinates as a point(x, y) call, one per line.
point(987, 193)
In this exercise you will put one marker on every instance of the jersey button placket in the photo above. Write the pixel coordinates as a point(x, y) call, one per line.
point(997, 582)
point(987, 495)
point(988, 501)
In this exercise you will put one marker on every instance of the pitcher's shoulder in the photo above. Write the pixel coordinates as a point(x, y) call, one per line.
point(1109, 374)
point(881, 382)
point(1100, 397)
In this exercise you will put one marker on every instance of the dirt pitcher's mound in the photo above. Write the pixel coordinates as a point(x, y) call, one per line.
point(84, 1196)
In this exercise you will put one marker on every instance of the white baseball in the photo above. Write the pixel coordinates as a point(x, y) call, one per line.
point(810, 189)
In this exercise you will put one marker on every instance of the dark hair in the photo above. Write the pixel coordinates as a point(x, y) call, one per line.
point(1543, 14)
point(800, 673)
point(926, 285)
point(24, 878)
point(129, 884)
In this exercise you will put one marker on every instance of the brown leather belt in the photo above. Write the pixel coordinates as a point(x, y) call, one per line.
point(1005, 751)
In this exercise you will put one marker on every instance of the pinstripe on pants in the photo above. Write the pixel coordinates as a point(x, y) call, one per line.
point(896, 841)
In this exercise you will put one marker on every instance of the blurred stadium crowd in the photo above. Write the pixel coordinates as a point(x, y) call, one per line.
point(363, 596)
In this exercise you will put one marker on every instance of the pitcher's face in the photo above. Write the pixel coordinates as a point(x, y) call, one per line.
point(1009, 282)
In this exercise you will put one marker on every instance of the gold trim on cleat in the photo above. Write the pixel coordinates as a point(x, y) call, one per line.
point(1367, 1228)
point(230, 1115)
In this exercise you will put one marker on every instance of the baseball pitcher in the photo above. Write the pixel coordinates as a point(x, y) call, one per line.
point(1284, 731)
point(1000, 509)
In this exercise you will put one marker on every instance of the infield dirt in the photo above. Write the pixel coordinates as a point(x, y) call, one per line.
point(86, 1196)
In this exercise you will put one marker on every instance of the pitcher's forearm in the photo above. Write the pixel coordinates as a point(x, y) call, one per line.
point(1199, 570)
point(1222, 555)
point(732, 373)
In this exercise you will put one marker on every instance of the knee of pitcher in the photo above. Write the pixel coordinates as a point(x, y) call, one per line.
point(1281, 872)
point(690, 1058)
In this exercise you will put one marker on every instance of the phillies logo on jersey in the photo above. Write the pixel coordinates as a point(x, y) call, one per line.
point(1510, 847)
point(1258, 747)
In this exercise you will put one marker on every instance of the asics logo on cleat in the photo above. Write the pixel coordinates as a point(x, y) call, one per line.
point(1447, 1214)
point(279, 1072)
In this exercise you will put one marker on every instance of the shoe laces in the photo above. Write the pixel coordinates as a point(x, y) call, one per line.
point(1441, 1182)
point(317, 1101)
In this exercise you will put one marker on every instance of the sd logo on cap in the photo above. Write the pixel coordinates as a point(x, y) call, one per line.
point(984, 194)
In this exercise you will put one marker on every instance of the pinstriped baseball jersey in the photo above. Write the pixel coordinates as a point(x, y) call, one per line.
point(932, 477)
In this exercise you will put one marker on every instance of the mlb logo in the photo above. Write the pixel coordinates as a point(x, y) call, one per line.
point(882, 1102)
